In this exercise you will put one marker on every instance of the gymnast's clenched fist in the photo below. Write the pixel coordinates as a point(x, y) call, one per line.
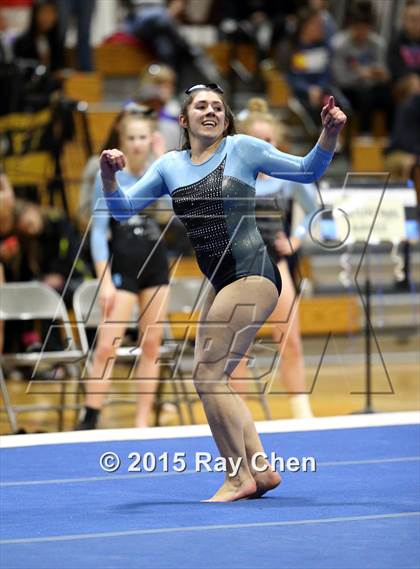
point(110, 162)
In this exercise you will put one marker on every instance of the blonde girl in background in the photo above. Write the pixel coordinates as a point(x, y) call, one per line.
point(273, 201)
point(133, 268)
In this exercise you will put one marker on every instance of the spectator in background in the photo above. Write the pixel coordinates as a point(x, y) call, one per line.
point(404, 149)
point(307, 61)
point(42, 245)
point(329, 23)
point(359, 65)
point(41, 41)
point(284, 23)
point(9, 77)
point(7, 204)
point(51, 247)
point(9, 245)
point(253, 21)
point(82, 11)
point(9, 250)
point(157, 90)
point(155, 23)
point(404, 51)
point(41, 51)
point(6, 41)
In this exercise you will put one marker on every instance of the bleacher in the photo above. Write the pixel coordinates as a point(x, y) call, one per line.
point(126, 62)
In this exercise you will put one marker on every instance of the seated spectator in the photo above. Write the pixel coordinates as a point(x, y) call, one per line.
point(307, 61)
point(330, 25)
point(284, 24)
point(404, 51)
point(8, 242)
point(40, 50)
point(157, 90)
point(404, 149)
point(9, 246)
point(254, 21)
point(36, 243)
point(360, 68)
point(7, 204)
point(49, 251)
point(51, 248)
point(156, 24)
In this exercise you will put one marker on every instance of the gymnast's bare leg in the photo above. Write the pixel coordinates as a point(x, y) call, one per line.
point(286, 334)
point(228, 325)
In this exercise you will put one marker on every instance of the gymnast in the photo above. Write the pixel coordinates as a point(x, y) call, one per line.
point(212, 185)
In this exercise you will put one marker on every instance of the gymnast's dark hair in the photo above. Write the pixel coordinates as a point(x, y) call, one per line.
point(231, 128)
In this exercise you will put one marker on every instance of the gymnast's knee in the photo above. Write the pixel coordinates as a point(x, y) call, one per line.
point(207, 377)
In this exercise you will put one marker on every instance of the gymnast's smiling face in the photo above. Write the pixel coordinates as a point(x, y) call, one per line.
point(205, 117)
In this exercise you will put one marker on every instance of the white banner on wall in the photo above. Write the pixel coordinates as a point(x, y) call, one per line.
point(361, 209)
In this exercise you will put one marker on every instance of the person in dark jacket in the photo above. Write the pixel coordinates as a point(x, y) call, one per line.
point(359, 66)
point(39, 52)
point(41, 41)
point(307, 61)
point(51, 246)
point(404, 51)
point(404, 148)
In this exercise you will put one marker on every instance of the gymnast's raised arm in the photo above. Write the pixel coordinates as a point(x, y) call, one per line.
point(124, 204)
point(263, 157)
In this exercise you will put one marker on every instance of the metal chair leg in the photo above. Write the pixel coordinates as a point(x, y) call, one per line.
point(11, 415)
point(159, 399)
point(186, 397)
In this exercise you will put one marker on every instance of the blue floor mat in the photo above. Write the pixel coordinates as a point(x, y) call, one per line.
point(358, 509)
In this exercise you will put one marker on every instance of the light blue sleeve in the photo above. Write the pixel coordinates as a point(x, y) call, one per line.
point(100, 223)
point(306, 197)
point(263, 157)
point(124, 203)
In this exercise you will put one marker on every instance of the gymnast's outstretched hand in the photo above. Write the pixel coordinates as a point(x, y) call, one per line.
point(333, 121)
point(110, 162)
point(333, 118)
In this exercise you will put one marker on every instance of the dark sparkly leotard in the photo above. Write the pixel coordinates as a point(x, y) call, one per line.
point(215, 201)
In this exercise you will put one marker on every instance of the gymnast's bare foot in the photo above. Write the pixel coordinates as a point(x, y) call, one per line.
point(265, 481)
point(265, 477)
point(234, 489)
